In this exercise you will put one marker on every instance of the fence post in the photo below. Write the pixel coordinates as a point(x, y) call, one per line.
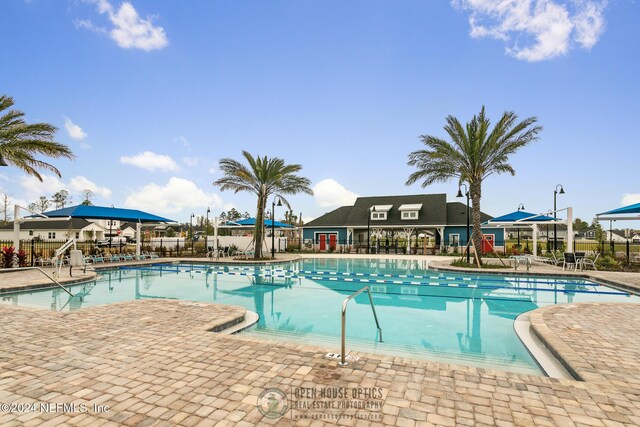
point(177, 247)
point(628, 259)
point(33, 249)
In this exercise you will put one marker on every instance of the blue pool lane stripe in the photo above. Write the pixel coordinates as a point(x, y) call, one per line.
point(289, 274)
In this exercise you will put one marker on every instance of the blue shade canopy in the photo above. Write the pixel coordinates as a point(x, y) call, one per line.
point(521, 216)
point(631, 209)
point(103, 212)
point(251, 222)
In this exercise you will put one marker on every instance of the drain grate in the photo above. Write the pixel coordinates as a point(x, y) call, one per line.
point(337, 356)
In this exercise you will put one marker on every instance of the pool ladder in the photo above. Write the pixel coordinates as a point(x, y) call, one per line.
point(343, 361)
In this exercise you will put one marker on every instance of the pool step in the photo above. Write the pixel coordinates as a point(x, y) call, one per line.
point(332, 344)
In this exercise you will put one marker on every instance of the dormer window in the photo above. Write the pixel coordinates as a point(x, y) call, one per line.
point(410, 211)
point(379, 212)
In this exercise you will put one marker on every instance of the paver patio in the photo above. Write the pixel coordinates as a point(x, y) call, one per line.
point(157, 363)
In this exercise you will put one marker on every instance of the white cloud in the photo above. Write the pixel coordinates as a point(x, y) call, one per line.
point(129, 29)
point(74, 131)
point(151, 161)
point(80, 183)
point(33, 188)
point(630, 199)
point(536, 30)
point(191, 161)
point(184, 141)
point(177, 195)
point(329, 192)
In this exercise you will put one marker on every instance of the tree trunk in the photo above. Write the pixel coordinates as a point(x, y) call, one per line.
point(259, 227)
point(476, 193)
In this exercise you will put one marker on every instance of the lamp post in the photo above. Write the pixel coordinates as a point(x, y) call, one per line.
point(555, 226)
point(2, 162)
point(206, 232)
point(273, 225)
point(520, 208)
point(371, 209)
point(466, 191)
point(191, 225)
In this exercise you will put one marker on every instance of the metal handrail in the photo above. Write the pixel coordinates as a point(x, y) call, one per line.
point(343, 361)
point(10, 270)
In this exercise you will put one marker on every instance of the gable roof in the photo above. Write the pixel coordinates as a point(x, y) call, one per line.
point(433, 212)
point(335, 218)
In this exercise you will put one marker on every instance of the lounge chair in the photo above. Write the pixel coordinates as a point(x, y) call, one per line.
point(114, 258)
point(569, 260)
point(589, 262)
point(97, 258)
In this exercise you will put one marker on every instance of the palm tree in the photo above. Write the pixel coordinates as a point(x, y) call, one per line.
point(264, 177)
point(20, 141)
point(473, 154)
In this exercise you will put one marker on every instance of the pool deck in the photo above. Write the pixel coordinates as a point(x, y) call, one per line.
point(157, 362)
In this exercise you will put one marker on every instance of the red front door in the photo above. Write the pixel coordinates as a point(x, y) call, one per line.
point(332, 241)
point(487, 243)
point(323, 242)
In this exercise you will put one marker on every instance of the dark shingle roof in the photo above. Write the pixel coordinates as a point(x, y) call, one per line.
point(335, 218)
point(76, 224)
point(457, 214)
point(433, 212)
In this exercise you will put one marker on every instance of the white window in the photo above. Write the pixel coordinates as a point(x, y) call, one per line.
point(77, 234)
point(52, 235)
point(410, 211)
point(409, 214)
point(454, 239)
point(379, 212)
point(377, 216)
point(30, 232)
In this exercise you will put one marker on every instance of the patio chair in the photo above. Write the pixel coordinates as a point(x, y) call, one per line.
point(569, 260)
point(114, 258)
point(589, 262)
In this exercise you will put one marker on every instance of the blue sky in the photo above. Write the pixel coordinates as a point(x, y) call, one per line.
point(151, 94)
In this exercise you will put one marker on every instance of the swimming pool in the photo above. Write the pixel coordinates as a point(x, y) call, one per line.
point(446, 316)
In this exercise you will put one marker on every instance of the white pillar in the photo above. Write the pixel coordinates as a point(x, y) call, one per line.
point(534, 229)
point(16, 227)
point(569, 229)
point(138, 235)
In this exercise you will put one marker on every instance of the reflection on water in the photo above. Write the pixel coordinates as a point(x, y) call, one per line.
point(453, 315)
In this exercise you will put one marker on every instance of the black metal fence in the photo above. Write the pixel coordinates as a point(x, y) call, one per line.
point(35, 249)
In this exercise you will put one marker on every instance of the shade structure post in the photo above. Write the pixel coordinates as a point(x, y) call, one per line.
point(534, 229)
point(569, 229)
point(16, 227)
point(138, 235)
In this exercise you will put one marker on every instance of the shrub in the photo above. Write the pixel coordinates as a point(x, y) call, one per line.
point(608, 263)
point(7, 256)
point(22, 258)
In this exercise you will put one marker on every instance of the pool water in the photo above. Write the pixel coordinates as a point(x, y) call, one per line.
point(453, 317)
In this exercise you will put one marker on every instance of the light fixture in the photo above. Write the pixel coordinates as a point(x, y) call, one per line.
point(2, 162)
